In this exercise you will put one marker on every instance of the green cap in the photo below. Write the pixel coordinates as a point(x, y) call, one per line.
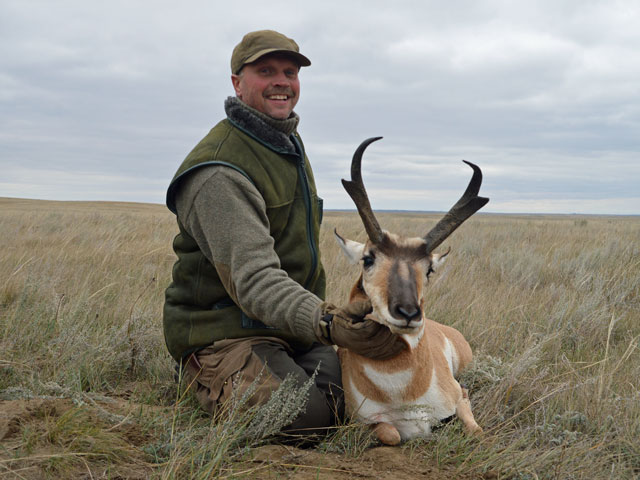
point(256, 44)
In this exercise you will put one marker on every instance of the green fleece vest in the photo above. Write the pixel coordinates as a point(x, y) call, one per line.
point(198, 311)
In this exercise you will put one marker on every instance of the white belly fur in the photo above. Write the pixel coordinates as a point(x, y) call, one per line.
point(411, 418)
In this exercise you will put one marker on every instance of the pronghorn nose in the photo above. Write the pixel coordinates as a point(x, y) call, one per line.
point(409, 312)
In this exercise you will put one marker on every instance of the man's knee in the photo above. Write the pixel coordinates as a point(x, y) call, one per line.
point(323, 394)
point(258, 366)
point(229, 374)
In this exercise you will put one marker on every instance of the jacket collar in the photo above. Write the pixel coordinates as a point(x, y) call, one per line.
point(268, 130)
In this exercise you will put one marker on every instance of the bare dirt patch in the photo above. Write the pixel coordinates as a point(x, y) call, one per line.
point(380, 463)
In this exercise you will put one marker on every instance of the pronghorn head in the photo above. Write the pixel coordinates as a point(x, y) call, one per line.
point(394, 268)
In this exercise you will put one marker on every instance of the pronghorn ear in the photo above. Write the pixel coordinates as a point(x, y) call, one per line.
point(353, 250)
point(437, 259)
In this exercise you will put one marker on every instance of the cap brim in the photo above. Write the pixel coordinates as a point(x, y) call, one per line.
point(300, 59)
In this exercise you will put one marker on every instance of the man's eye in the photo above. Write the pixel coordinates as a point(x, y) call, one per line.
point(368, 260)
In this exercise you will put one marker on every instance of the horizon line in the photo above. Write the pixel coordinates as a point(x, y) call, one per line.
point(381, 210)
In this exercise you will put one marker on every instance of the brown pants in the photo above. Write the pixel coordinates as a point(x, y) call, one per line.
point(267, 361)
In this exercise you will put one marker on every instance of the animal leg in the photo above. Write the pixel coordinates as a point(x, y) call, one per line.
point(463, 411)
point(387, 433)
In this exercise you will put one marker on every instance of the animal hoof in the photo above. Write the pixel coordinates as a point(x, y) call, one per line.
point(475, 430)
point(387, 434)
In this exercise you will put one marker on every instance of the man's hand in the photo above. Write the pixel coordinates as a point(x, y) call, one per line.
point(347, 327)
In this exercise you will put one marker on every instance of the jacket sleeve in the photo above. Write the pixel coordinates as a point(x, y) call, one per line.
point(226, 215)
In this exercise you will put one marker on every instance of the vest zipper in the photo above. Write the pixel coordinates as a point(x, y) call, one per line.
point(307, 201)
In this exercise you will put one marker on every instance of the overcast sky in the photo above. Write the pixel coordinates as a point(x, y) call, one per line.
point(103, 100)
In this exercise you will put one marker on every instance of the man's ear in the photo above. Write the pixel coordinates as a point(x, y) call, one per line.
point(235, 81)
point(353, 250)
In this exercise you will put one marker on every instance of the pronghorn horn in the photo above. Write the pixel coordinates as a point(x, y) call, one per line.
point(468, 204)
point(355, 189)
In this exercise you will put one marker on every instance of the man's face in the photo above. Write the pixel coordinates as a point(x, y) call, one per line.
point(270, 85)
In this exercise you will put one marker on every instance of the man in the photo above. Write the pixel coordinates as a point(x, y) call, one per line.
point(246, 298)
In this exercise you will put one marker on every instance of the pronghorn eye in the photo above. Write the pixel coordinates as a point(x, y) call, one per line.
point(430, 271)
point(368, 260)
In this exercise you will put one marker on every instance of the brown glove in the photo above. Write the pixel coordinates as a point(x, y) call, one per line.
point(347, 327)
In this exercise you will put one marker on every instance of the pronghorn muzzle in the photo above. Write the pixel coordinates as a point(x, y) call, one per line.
point(403, 298)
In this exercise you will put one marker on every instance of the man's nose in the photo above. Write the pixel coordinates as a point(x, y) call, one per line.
point(281, 79)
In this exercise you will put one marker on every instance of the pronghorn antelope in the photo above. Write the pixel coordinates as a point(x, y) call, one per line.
point(404, 396)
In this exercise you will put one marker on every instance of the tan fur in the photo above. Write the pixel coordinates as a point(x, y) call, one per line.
point(376, 389)
point(420, 360)
point(356, 291)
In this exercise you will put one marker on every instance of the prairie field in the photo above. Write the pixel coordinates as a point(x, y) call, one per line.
point(550, 305)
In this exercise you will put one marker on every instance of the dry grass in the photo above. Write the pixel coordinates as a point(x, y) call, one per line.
point(550, 305)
